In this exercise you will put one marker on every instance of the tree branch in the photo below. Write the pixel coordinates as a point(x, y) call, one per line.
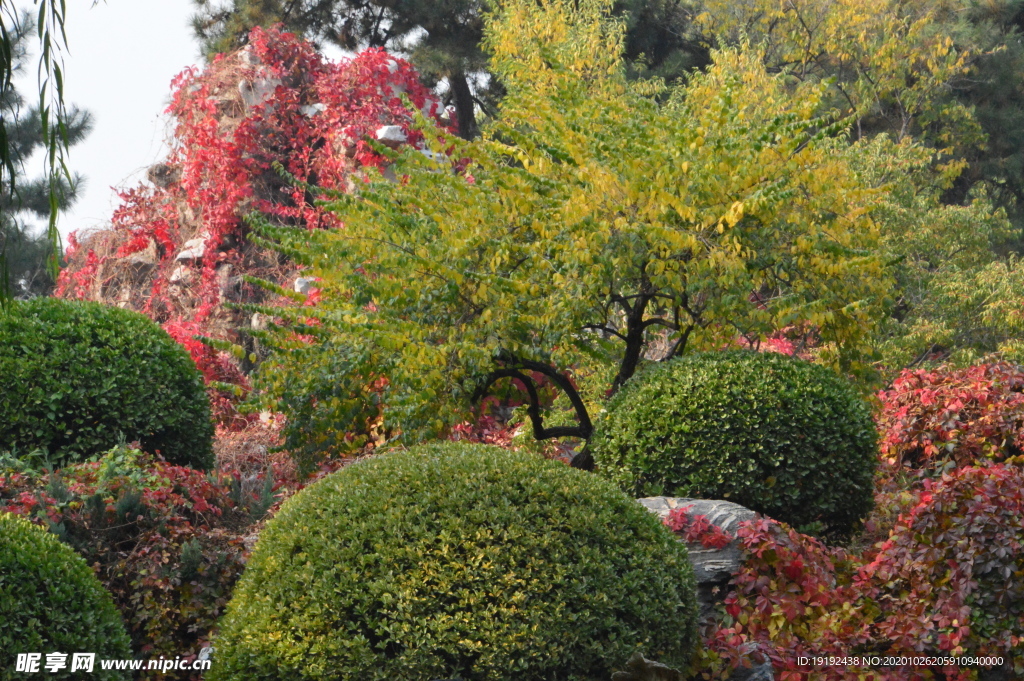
point(582, 430)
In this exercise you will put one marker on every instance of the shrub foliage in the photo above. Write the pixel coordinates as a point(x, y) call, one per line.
point(963, 416)
point(776, 434)
point(79, 377)
point(165, 540)
point(455, 560)
point(50, 601)
point(945, 583)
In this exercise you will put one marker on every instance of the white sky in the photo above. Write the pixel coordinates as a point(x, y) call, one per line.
point(122, 57)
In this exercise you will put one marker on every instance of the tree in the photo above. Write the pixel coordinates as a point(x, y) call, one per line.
point(591, 229)
point(889, 65)
point(442, 37)
point(53, 116)
point(27, 254)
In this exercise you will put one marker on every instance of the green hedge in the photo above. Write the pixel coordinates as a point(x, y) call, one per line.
point(50, 601)
point(79, 377)
point(463, 561)
point(776, 434)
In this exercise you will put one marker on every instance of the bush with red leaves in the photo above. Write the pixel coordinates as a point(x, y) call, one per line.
point(948, 582)
point(167, 541)
point(959, 415)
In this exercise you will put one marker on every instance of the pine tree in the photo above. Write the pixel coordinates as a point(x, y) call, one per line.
point(26, 252)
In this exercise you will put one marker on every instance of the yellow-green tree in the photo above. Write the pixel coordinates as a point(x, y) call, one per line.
point(942, 258)
point(887, 64)
point(589, 230)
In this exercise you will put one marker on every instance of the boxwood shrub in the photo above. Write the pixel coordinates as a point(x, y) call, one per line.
point(50, 602)
point(774, 433)
point(79, 377)
point(458, 561)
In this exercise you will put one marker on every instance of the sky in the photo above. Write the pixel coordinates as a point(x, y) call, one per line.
point(121, 59)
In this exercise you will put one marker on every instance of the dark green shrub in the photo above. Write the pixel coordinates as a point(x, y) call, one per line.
point(50, 601)
point(457, 560)
point(78, 377)
point(774, 433)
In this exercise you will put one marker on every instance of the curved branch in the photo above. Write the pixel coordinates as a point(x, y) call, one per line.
point(582, 430)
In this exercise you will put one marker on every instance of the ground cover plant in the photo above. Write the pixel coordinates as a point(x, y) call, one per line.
point(774, 433)
point(51, 602)
point(79, 377)
point(458, 560)
point(167, 541)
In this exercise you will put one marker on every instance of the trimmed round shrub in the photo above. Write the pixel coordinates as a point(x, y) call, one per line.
point(80, 377)
point(776, 434)
point(51, 602)
point(458, 561)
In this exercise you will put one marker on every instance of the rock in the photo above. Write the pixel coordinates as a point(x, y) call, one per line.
point(640, 668)
point(193, 250)
point(391, 135)
point(303, 284)
point(714, 567)
point(163, 175)
point(257, 91)
point(146, 258)
point(310, 110)
point(181, 275)
point(760, 668)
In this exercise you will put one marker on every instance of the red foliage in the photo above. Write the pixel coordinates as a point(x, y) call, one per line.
point(696, 528)
point(136, 520)
point(177, 250)
point(958, 415)
point(949, 578)
point(216, 367)
point(946, 583)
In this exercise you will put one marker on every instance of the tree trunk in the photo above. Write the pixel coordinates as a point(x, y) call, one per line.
point(463, 98)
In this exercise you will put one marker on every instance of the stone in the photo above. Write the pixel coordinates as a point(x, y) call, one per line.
point(639, 668)
point(257, 91)
point(391, 135)
point(163, 175)
point(310, 110)
point(181, 275)
point(303, 284)
point(714, 567)
point(194, 249)
point(147, 257)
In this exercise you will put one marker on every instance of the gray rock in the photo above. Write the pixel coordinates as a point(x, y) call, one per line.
point(640, 668)
point(714, 567)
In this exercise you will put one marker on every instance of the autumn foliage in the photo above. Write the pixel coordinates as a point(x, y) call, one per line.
point(945, 583)
point(959, 415)
point(178, 248)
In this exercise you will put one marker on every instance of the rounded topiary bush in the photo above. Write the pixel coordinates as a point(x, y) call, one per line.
point(51, 602)
point(80, 377)
point(455, 560)
point(776, 434)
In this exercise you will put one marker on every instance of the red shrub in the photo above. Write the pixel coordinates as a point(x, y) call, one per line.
point(950, 578)
point(959, 415)
point(168, 542)
point(948, 582)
